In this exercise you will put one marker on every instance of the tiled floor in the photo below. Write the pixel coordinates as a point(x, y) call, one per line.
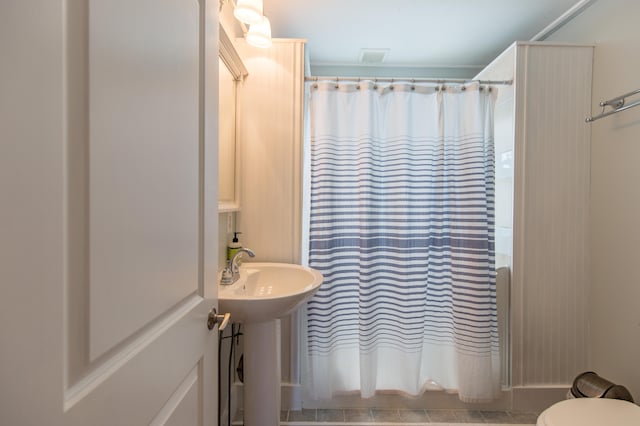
point(376, 417)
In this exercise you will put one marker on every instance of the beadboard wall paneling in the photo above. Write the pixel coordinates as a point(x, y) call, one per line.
point(270, 132)
point(270, 111)
point(550, 272)
point(551, 231)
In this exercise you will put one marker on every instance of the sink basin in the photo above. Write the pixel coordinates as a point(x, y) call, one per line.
point(263, 293)
point(266, 291)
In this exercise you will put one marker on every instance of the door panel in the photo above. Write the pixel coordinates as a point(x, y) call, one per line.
point(138, 383)
point(143, 99)
point(111, 255)
point(182, 407)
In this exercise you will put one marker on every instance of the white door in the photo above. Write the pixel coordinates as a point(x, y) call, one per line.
point(108, 212)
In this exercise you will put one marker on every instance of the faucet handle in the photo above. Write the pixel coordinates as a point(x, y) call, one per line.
point(227, 275)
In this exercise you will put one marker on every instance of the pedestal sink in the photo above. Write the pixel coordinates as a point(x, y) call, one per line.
point(264, 293)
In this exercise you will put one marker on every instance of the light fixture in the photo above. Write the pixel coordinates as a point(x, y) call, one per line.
point(259, 35)
point(248, 11)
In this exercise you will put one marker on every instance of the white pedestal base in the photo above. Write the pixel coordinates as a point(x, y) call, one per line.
point(262, 373)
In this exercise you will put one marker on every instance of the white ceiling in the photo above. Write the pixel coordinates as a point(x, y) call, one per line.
point(450, 34)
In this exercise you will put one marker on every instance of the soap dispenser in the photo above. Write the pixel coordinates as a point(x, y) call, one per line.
point(233, 246)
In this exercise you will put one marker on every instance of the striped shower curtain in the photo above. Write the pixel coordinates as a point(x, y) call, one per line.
point(401, 225)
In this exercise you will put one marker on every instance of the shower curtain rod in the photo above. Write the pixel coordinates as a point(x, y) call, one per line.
point(410, 80)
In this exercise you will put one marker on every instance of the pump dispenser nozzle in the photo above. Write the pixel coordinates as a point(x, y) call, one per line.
point(234, 245)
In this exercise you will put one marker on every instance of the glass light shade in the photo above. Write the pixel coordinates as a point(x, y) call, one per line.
point(248, 11)
point(259, 35)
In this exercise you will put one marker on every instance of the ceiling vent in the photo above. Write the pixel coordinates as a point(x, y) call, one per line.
point(372, 56)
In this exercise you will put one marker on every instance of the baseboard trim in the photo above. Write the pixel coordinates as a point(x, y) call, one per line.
point(521, 398)
point(537, 398)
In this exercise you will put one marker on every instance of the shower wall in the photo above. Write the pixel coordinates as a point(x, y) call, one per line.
point(551, 177)
point(546, 218)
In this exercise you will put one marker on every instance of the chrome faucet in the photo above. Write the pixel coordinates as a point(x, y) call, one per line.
point(231, 272)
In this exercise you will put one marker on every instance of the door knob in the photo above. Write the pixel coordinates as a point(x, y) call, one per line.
point(220, 320)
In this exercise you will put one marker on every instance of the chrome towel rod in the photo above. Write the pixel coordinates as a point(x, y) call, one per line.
point(409, 80)
point(617, 104)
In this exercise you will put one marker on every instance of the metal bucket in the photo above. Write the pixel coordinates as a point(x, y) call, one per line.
point(590, 385)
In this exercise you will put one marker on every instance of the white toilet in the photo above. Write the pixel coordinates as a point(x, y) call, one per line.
point(591, 412)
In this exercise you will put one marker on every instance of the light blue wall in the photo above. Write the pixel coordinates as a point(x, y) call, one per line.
point(388, 71)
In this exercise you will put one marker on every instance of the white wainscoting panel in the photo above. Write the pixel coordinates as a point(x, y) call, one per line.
point(270, 111)
point(270, 131)
point(550, 282)
point(551, 232)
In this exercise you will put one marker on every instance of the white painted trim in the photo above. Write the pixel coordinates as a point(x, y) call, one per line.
point(233, 61)
point(291, 396)
point(230, 56)
point(524, 399)
point(297, 132)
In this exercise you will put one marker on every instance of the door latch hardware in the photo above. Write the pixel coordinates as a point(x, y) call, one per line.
point(220, 320)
